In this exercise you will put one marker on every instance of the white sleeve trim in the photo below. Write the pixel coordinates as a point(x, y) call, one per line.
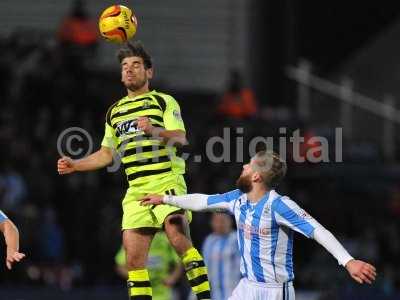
point(332, 245)
point(195, 202)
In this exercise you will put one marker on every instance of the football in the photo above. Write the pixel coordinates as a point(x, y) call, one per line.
point(117, 24)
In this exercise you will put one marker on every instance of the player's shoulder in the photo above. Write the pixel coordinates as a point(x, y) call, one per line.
point(278, 200)
point(112, 107)
point(235, 196)
point(167, 98)
point(283, 204)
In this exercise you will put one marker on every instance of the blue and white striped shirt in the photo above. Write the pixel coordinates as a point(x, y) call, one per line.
point(265, 233)
point(3, 217)
point(221, 255)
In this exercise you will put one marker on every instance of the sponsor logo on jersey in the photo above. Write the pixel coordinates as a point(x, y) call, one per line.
point(127, 127)
point(250, 230)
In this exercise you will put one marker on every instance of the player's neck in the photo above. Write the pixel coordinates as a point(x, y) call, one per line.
point(143, 90)
point(256, 194)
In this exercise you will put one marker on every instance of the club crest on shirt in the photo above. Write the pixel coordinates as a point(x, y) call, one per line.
point(146, 104)
point(267, 209)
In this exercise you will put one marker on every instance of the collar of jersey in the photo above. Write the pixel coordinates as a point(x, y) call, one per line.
point(127, 98)
point(259, 203)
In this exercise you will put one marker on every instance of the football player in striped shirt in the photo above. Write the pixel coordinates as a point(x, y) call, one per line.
point(11, 236)
point(221, 255)
point(145, 127)
point(266, 222)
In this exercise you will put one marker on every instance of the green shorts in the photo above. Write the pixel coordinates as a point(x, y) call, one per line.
point(137, 216)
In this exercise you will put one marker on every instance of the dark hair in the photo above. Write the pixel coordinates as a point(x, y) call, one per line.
point(135, 49)
point(271, 167)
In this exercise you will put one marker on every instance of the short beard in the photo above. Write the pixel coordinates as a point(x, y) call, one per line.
point(134, 87)
point(244, 184)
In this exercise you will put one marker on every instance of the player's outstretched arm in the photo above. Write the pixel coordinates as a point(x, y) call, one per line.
point(94, 161)
point(360, 271)
point(11, 235)
point(195, 202)
point(289, 214)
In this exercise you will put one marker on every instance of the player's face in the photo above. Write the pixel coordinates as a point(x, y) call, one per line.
point(133, 73)
point(221, 223)
point(248, 176)
point(244, 181)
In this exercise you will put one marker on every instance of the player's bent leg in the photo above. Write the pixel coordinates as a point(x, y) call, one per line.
point(177, 230)
point(137, 244)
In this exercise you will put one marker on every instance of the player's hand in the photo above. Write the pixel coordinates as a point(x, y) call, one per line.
point(152, 200)
point(361, 271)
point(13, 257)
point(65, 165)
point(144, 124)
point(170, 281)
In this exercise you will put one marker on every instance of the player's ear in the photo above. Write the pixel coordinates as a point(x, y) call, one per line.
point(149, 72)
point(256, 177)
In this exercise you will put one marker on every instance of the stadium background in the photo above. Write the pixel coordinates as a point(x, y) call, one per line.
point(345, 52)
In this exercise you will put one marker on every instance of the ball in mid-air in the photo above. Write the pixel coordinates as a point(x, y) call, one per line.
point(117, 24)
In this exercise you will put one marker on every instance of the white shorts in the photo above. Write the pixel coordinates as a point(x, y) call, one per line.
point(250, 290)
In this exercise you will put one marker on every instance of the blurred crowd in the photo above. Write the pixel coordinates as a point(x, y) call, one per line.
point(70, 226)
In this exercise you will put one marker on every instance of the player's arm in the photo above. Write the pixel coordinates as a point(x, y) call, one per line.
point(99, 159)
point(175, 275)
point(195, 202)
point(174, 133)
point(11, 236)
point(359, 270)
point(288, 213)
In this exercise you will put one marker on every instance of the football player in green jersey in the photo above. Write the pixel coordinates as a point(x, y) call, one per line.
point(163, 264)
point(145, 127)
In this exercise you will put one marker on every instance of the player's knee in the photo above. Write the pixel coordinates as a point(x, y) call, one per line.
point(135, 261)
point(175, 240)
point(176, 220)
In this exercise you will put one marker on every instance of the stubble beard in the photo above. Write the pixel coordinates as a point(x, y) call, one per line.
point(244, 183)
point(133, 87)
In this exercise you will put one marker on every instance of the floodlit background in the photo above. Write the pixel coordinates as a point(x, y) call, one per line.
point(326, 68)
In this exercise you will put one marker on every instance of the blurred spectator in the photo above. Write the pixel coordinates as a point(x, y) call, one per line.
point(12, 189)
point(78, 36)
point(52, 248)
point(237, 102)
point(78, 28)
point(51, 239)
point(221, 255)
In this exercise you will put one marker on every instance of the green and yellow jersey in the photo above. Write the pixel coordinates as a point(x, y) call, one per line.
point(144, 157)
point(161, 257)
